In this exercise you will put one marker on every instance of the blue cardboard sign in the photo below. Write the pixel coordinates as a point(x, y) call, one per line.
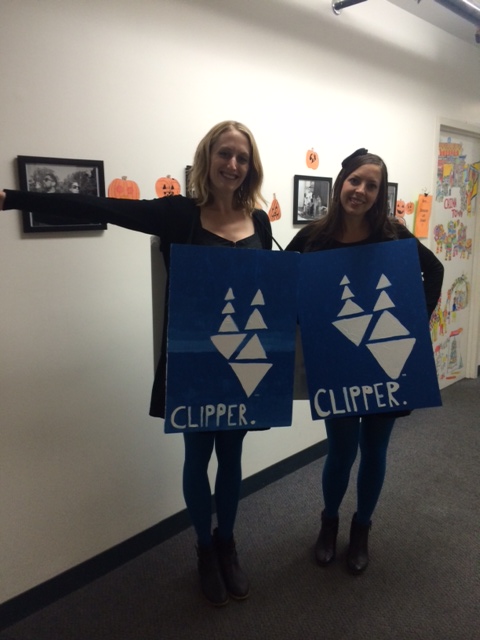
point(365, 333)
point(231, 339)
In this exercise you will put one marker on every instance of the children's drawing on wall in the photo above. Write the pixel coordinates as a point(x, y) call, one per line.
point(454, 229)
point(445, 331)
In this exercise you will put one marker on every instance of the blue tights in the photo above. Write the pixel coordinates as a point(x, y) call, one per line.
point(345, 435)
point(196, 485)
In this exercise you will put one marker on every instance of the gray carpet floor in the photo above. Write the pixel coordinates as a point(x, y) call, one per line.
point(423, 581)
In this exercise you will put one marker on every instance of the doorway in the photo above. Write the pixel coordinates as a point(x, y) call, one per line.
point(455, 325)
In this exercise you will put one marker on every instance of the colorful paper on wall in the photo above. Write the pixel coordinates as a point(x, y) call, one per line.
point(422, 219)
point(365, 332)
point(231, 339)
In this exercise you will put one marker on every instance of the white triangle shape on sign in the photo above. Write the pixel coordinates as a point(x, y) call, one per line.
point(227, 344)
point(255, 321)
point(258, 299)
point(349, 309)
point(353, 328)
point(392, 355)
point(228, 308)
point(384, 282)
point(384, 302)
point(250, 374)
point(347, 293)
point(228, 325)
point(388, 327)
point(253, 350)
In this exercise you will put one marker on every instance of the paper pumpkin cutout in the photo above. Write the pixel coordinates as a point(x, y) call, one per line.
point(312, 159)
point(124, 189)
point(410, 208)
point(275, 212)
point(400, 208)
point(167, 186)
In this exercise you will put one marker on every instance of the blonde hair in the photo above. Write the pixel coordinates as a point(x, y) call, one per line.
point(248, 195)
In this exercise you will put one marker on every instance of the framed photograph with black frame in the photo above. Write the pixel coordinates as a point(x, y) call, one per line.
point(311, 196)
point(392, 191)
point(59, 175)
point(189, 191)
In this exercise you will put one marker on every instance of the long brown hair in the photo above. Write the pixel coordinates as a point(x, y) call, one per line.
point(249, 193)
point(378, 218)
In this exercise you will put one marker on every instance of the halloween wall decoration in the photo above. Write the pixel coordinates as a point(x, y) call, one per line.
point(312, 159)
point(400, 212)
point(410, 208)
point(124, 189)
point(167, 186)
point(422, 220)
point(275, 212)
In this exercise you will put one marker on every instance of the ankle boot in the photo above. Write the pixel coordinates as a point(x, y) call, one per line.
point(211, 580)
point(325, 546)
point(235, 579)
point(357, 555)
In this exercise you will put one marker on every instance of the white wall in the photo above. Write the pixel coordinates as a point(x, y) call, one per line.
point(83, 467)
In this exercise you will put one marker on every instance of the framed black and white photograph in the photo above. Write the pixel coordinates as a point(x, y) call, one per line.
point(59, 175)
point(311, 196)
point(189, 191)
point(392, 191)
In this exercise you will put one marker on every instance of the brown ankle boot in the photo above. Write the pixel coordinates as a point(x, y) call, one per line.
point(211, 579)
point(325, 546)
point(235, 579)
point(357, 555)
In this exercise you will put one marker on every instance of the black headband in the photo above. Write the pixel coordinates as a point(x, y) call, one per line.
point(355, 154)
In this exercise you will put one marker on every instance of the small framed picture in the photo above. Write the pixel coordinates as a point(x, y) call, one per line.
point(189, 191)
point(392, 191)
point(59, 175)
point(311, 196)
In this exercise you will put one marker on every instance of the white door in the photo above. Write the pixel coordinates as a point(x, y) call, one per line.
point(454, 214)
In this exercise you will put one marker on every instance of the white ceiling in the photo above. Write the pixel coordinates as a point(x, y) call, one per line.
point(441, 17)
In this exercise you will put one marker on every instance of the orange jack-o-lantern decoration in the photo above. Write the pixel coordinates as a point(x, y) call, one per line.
point(410, 208)
point(123, 188)
point(312, 159)
point(274, 213)
point(400, 208)
point(167, 186)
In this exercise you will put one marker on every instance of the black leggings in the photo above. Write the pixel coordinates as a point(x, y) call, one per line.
point(345, 436)
point(196, 485)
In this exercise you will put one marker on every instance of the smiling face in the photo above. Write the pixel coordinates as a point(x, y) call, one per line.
point(229, 161)
point(360, 190)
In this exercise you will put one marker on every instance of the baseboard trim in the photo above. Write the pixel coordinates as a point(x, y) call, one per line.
point(48, 592)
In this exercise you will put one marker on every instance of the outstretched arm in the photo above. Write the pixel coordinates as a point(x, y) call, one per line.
point(146, 216)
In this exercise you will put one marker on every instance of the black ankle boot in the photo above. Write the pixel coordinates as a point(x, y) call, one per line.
point(357, 556)
point(211, 580)
point(235, 579)
point(326, 544)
